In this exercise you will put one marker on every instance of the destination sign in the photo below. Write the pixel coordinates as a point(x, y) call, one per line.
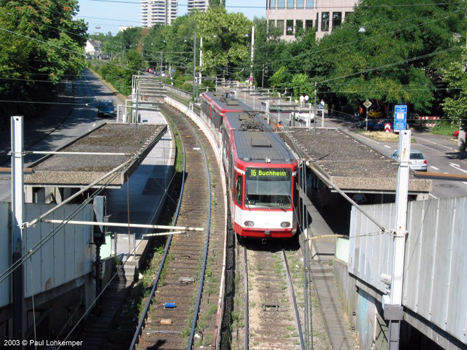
point(274, 173)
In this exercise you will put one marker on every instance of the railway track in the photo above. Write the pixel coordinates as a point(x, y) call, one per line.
point(272, 318)
point(182, 309)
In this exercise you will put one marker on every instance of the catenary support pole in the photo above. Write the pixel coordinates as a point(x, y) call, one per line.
point(17, 185)
point(394, 312)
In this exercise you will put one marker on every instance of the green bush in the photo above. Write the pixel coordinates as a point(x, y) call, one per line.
point(445, 128)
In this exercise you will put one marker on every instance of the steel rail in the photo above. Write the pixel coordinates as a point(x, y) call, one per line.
point(206, 247)
point(144, 314)
point(247, 297)
point(294, 300)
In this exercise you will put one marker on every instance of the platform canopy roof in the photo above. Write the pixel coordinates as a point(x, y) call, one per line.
point(123, 143)
point(337, 156)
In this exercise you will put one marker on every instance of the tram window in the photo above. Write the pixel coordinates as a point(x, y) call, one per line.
point(231, 166)
point(205, 108)
point(268, 188)
point(239, 189)
point(216, 119)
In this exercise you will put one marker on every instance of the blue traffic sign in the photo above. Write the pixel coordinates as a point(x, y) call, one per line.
point(400, 117)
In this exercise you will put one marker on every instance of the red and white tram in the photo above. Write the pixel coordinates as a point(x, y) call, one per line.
point(261, 170)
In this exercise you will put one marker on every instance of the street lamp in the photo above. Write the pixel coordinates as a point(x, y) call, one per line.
point(194, 66)
point(252, 53)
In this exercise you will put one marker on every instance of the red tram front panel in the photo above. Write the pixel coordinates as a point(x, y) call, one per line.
point(264, 202)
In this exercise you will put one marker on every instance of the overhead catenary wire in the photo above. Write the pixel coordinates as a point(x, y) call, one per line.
point(48, 236)
point(52, 233)
point(109, 176)
point(290, 87)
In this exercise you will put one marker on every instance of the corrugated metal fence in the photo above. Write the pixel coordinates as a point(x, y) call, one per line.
point(435, 278)
point(60, 256)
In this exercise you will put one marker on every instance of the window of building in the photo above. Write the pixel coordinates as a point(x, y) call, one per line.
point(299, 26)
point(324, 21)
point(308, 24)
point(272, 24)
point(280, 26)
point(280, 4)
point(310, 4)
point(272, 4)
point(289, 29)
point(336, 19)
point(300, 4)
point(290, 4)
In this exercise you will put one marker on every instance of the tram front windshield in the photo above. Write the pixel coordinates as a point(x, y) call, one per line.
point(268, 188)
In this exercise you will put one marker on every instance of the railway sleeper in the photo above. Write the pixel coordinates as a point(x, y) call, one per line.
point(186, 280)
point(270, 307)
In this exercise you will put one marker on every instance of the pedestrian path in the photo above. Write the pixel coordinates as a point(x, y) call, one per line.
point(323, 250)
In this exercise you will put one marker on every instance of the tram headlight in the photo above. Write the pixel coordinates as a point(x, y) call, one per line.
point(249, 223)
point(285, 224)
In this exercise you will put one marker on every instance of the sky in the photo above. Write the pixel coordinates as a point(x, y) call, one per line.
point(105, 16)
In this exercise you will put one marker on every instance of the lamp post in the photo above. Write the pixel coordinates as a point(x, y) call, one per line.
point(162, 52)
point(314, 108)
point(200, 77)
point(252, 53)
point(194, 66)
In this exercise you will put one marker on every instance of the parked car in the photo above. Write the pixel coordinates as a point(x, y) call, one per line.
point(302, 117)
point(376, 125)
point(417, 160)
point(105, 108)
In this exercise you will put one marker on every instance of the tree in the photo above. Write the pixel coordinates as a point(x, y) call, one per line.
point(225, 40)
point(281, 79)
point(455, 106)
point(300, 83)
point(216, 3)
point(40, 43)
point(392, 57)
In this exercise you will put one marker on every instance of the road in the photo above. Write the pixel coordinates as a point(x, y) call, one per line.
point(74, 115)
point(442, 158)
point(440, 151)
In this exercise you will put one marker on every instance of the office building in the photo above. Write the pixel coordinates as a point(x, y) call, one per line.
point(199, 5)
point(158, 11)
point(294, 16)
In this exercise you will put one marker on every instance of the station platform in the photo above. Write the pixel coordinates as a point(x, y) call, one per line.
point(141, 198)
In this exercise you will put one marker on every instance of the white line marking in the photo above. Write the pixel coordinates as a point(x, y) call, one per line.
point(465, 183)
point(433, 196)
point(433, 167)
point(458, 167)
point(387, 146)
point(421, 138)
point(370, 139)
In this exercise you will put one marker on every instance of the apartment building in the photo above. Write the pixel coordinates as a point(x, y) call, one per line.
point(158, 11)
point(199, 5)
point(293, 16)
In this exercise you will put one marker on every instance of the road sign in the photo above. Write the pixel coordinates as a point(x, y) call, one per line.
point(367, 104)
point(387, 127)
point(400, 117)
